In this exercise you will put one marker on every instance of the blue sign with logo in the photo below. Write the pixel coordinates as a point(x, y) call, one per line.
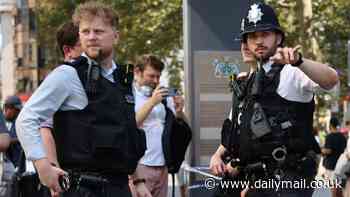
point(225, 68)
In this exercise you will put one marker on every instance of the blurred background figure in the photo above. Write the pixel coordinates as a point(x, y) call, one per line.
point(12, 107)
point(334, 146)
point(345, 129)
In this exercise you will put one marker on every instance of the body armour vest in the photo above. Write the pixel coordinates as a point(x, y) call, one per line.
point(287, 130)
point(103, 136)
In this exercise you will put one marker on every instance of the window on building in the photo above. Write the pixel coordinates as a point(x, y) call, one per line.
point(32, 20)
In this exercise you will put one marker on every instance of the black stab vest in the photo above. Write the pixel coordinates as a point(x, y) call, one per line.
point(102, 137)
point(298, 139)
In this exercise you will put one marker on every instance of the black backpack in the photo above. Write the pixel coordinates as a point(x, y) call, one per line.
point(176, 137)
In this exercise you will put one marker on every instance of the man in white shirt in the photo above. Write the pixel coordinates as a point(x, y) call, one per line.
point(67, 37)
point(150, 116)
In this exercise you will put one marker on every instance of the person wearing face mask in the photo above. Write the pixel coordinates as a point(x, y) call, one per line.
point(150, 116)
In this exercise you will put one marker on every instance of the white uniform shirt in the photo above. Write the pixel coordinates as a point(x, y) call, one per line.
point(153, 126)
point(294, 84)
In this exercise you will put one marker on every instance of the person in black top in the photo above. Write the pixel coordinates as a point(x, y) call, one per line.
point(334, 146)
point(12, 107)
point(4, 145)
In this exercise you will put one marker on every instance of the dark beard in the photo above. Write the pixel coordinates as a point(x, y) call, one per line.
point(99, 55)
point(10, 119)
point(266, 57)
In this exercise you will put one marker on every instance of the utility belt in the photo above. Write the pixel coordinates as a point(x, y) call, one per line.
point(75, 179)
point(293, 164)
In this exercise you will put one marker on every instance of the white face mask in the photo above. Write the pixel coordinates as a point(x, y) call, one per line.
point(146, 90)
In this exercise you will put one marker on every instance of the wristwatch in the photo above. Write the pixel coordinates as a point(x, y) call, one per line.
point(137, 181)
point(299, 62)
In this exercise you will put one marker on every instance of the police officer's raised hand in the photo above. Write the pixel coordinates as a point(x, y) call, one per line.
point(217, 165)
point(158, 95)
point(49, 174)
point(286, 55)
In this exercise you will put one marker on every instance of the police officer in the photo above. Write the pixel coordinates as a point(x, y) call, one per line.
point(217, 164)
point(67, 37)
point(275, 114)
point(97, 147)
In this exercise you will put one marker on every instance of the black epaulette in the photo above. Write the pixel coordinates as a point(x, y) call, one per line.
point(126, 74)
point(81, 60)
point(88, 73)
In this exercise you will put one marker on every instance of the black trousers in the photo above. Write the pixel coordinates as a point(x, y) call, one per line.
point(108, 190)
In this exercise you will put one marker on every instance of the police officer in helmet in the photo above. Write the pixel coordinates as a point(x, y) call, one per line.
point(275, 114)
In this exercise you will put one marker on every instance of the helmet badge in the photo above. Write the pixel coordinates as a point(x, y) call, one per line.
point(254, 14)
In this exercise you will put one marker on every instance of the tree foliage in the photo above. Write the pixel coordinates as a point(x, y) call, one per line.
point(146, 26)
point(155, 26)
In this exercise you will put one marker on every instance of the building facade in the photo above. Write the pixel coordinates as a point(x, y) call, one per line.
point(19, 51)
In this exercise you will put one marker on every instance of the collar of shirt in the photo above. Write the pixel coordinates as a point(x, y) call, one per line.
point(106, 72)
point(136, 90)
point(109, 71)
point(267, 66)
point(9, 125)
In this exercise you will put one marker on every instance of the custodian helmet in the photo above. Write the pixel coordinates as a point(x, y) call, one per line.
point(260, 17)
